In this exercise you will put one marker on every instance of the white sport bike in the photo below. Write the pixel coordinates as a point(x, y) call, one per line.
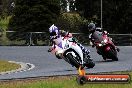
point(72, 53)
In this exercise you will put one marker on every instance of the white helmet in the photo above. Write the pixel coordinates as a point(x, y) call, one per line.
point(53, 30)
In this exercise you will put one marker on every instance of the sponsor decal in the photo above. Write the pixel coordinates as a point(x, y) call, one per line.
point(112, 78)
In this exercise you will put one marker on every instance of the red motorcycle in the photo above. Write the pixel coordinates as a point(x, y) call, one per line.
point(106, 47)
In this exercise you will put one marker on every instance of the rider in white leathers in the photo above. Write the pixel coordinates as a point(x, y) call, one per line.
point(55, 37)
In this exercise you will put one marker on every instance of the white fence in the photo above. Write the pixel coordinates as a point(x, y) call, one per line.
point(42, 38)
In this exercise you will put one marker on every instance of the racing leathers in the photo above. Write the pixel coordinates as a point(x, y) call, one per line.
point(69, 36)
point(56, 41)
point(96, 36)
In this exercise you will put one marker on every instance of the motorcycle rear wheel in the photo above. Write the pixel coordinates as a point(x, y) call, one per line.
point(90, 64)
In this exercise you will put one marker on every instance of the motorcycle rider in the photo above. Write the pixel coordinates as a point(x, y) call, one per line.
point(56, 38)
point(69, 35)
point(95, 34)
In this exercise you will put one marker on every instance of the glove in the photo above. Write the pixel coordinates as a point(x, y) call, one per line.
point(74, 40)
point(93, 46)
point(50, 49)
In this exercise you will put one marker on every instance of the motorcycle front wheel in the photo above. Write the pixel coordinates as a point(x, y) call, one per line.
point(73, 60)
point(112, 54)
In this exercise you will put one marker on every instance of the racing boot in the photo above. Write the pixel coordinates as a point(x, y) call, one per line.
point(82, 66)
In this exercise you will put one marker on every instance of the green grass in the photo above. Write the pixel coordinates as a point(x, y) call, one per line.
point(60, 82)
point(6, 66)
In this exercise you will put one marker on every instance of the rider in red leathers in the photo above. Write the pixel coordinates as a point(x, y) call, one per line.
point(96, 34)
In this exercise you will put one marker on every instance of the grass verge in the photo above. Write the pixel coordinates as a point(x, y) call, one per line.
point(59, 82)
point(6, 66)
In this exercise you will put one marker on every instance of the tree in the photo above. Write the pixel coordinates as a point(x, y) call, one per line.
point(0, 7)
point(116, 16)
point(71, 22)
point(3, 8)
point(63, 4)
point(116, 13)
point(72, 7)
point(88, 8)
point(67, 5)
point(34, 15)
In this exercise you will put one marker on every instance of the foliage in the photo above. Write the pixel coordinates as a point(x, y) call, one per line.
point(4, 23)
point(88, 8)
point(5, 8)
point(117, 16)
point(71, 22)
point(38, 15)
point(3, 26)
point(63, 4)
point(34, 15)
point(116, 13)
point(67, 5)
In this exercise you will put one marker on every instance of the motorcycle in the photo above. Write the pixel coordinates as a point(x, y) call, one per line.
point(106, 47)
point(72, 53)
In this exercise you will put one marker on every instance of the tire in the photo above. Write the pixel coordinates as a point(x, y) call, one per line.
point(90, 64)
point(113, 54)
point(81, 80)
point(73, 60)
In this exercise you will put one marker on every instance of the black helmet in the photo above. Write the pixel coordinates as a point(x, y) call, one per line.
point(91, 27)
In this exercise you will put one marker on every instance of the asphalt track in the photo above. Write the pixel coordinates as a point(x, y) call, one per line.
point(47, 65)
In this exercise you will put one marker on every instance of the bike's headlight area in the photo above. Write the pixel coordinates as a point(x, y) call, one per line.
point(59, 51)
point(105, 41)
point(100, 44)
